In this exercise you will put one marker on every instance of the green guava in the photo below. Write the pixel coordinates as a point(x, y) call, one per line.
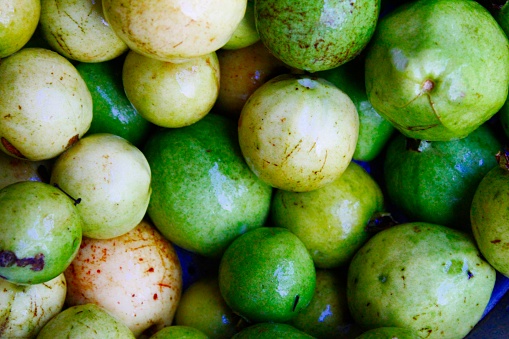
point(422, 276)
point(390, 333)
point(316, 35)
point(84, 322)
point(245, 34)
point(41, 232)
point(179, 332)
point(438, 69)
point(435, 181)
point(203, 193)
point(271, 331)
point(267, 275)
point(18, 22)
point(488, 214)
point(331, 221)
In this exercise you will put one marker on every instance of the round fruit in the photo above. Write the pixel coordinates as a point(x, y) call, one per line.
point(179, 332)
point(204, 194)
point(18, 22)
point(41, 232)
point(111, 177)
point(297, 132)
point(270, 331)
point(46, 106)
point(267, 275)
point(331, 221)
point(316, 35)
point(171, 30)
point(245, 34)
point(421, 276)
point(431, 79)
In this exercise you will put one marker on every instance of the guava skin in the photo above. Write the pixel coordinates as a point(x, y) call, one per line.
point(374, 130)
point(298, 132)
point(179, 332)
point(489, 217)
point(245, 34)
point(431, 79)
point(436, 181)
point(18, 22)
point(421, 276)
point(112, 112)
point(267, 275)
point(203, 193)
point(327, 316)
point(390, 333)
point(271, 331)
point(41, 232)
point(316, 35)
point(85, 322)
point(331, 221)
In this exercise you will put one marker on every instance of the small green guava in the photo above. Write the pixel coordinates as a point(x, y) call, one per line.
point(422, 276)
point(316, 35)
point(331, 221)
point(84, 322)
point(245, 34)
point(298, 132)
point(267, 275)
point(179, 332)
point(431, 79)
point(18, 22)
point(41, 231)
point(488, 215)
point(270, 331)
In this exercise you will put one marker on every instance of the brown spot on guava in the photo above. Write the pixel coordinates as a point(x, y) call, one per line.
point(11, 149)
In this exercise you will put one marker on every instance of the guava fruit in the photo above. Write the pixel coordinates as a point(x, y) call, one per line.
point(18, 22)
point(267, 275)
point(25, 309)
point(245, 34)
point(172, 30)
point(488, 215)
point(78, 30)
point(298, 132)
point(202, 307)
point(270, 331)
point(390, 333)
point(85, 322)
point(374, 130)
point(13, 170)
point(112, 112)
point(41, 232)
point(438, 69)
point(316, 35)
point(111, 177)
point(327, 316)
point(46, 106)
point(179, 332)
point(422, 276)
point(435, 181)
point(171, 94)
point(331, 221)
point(203, 193)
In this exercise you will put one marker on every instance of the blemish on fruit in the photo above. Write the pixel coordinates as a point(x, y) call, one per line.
point(295, 302)
point(11, 149)
point(9, 258)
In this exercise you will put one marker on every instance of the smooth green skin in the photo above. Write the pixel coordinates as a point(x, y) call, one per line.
point(46, 106)
point(267, 275)
point(436, 181)
point(171, 95)
point(245, 34)
point(374, 130)
point(18, 22)
point(85, 322)
point(389, 333)
point(202, 306)
point(316, 35)
point(421, 276)
point(331, 221)
point(203, 193)
point(488, 215)
point(327, 316)
point(113, 112)
point(179, 332)
point(111, 177)
point(271, 331)
point(298, 132)
point(412, 46)
point(38, 218)
point(78, 30)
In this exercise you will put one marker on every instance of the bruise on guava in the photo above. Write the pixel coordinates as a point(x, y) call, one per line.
point(9, 259)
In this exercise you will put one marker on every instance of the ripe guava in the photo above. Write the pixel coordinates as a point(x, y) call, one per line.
point(18, 22)
point(438, 69)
